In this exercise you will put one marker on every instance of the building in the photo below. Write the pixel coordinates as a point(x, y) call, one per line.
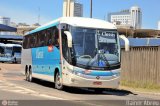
point(72, 8)
point(158, 25)
point(5, 21)
point(21, 30)
point(130, 18)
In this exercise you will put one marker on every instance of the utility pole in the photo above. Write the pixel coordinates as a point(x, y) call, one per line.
point(39, 15)
point(91, 9)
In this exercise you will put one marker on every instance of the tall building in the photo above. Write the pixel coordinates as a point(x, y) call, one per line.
point(127, 18)
point(158, 25)
point(71, 8)
point(136, 17)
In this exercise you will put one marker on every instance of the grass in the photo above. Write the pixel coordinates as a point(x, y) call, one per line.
point(142, 87)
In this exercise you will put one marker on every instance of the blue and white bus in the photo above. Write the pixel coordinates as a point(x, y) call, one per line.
point(10, 53)
point(2, 51)
point(75, 52)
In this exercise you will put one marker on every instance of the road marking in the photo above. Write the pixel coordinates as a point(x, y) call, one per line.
point(89, 104)
point(6, 86)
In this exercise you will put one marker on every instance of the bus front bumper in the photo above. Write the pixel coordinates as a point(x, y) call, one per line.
point(77, 81)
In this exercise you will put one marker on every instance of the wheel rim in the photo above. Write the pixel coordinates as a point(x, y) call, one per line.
point(27, 75)
point(30, 76)
point(58, 81)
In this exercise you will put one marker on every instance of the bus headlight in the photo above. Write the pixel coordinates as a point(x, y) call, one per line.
point(117, 74)
point(76, 73)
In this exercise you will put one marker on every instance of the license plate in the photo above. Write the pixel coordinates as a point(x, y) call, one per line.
point(97, 83)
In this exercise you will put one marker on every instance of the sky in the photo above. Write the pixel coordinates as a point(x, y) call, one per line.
point(27, 11)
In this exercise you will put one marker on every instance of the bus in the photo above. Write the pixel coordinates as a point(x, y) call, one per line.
point(2, 49)
point(10, 53)
point(73, 52)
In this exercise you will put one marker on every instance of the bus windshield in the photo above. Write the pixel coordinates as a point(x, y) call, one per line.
point(95, 48)
point(8, 51)
point(2, 51)
point(17, 49)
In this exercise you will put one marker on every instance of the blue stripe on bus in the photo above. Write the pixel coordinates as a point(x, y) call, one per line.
point(99, 73)
point(44, 61)
point(45, 69)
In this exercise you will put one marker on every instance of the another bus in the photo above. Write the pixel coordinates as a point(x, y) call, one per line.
point(2, 49)
point(75, 52)
point(10, 53)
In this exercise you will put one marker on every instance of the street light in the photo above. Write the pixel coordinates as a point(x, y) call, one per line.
point(126, 28)
point(90, 8)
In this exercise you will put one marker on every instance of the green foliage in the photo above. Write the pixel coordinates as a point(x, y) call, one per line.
point(136, 84)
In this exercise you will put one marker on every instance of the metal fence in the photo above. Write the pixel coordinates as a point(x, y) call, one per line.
point(141, 65)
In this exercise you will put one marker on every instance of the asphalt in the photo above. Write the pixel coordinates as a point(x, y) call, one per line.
point(14, 84)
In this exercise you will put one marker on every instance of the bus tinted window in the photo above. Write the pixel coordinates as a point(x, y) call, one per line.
point(17, 49)
point(32, 41)
point(43, 38)
point(56, 37)
point(50, 40)
point(25, 42)
point(1, 50)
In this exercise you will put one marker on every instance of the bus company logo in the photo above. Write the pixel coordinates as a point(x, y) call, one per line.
point(50, 48)
point(4, 102)
point(98, 77)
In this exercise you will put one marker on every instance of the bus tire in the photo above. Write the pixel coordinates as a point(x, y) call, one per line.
point(14, 61)
point(58, 82)
point(26, 73)
point(30, 75)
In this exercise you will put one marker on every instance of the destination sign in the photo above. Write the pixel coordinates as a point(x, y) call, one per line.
point(105, 33)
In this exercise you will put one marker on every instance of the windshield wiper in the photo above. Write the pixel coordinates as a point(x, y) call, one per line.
point(87, 65)
point(104, 58)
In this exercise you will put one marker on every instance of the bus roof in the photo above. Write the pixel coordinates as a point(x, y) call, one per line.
point(77, 22)
point(13, 45)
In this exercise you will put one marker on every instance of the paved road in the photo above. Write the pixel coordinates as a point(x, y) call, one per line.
point(14, 82)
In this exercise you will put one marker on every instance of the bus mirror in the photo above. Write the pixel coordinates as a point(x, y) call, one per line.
point(69, 38)
point(126, 42)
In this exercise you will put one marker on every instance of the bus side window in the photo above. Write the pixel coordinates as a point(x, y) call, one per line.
point(42, 39)
point(24, 42)
point(28, 42)
point(50, 37)
point(36, 40)
point(32, 41)
point(56, 37)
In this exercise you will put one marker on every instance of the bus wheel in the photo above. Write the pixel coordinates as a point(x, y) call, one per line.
point(30, 75)
point(58, 82)
point(14, 61)
point(27, 75)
